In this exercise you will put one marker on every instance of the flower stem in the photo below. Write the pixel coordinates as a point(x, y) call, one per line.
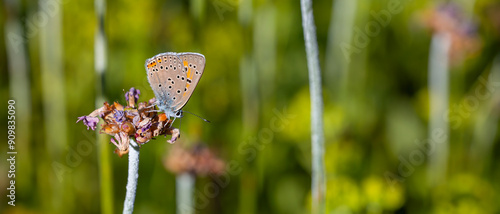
point(317, 133)
point(133, 174)
point(184, 193)
point(439, 94)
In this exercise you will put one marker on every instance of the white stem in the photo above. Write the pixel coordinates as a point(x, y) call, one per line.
point(317, 133)
point(438, 78)
point(133, 174)
point(184, 193)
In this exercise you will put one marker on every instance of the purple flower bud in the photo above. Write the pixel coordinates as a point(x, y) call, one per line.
point(90, 122)
point(134, 92)
point(146, 127)
point(119, 116)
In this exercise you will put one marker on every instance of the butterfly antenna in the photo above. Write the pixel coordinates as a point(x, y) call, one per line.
point(208, 121)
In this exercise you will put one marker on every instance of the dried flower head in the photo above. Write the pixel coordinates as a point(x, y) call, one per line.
point(450, 19)
point(198, 160)
point(140, 121)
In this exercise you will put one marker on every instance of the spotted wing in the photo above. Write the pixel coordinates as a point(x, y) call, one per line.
point(193, 67)
point(173, 77)
point(162, 71)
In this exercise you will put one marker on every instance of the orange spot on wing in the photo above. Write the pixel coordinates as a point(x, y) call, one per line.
point(187, 86)
point(189, 76)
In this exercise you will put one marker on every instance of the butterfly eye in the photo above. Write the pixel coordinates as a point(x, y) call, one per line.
point(178, 114)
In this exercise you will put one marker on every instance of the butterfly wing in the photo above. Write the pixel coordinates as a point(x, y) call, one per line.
point(162, 70)
point(193, 67)
point(173, 78)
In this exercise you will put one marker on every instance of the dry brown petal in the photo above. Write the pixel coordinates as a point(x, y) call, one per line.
point(108, 107)
point(98, 112)
point(141, 105)
point(123, 140)
point(175, 135)
point(136, 120)
point(131, 113)
point(158, 128)
point(144, 122)
point(162, 117)
point(110, 128)
point(128, 128)
point(120, 153)
point(131, 100)
point(143, 136)
point(147, 112)
point(118, 106)
point(109, 118)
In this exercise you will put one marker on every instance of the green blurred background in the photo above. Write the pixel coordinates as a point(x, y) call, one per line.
point(376, 105)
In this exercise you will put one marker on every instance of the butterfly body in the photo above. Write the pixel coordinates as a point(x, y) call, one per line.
point(173, 78)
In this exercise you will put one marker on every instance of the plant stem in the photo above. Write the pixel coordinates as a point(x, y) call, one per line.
point(53, 99)
point(20, 89)
point(133, 174)
point(340, 33)
point(184, 193)
point(104, 151)
point(438, 105)
point(317, 135)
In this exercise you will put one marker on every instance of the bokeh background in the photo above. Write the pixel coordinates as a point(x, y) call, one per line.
point(386, 66)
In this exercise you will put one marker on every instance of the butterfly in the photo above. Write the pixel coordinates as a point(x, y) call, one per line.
point(173, 78)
